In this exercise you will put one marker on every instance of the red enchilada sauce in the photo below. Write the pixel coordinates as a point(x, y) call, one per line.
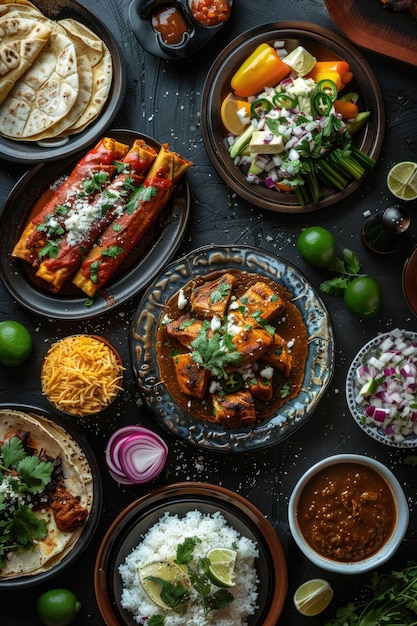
point(210, 12)
point(171, 25)
point(290, 326)
point(346, 512)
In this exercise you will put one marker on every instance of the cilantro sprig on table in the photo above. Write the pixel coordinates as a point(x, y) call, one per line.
point(393, 601)
point(347, 268)
point(22, 476)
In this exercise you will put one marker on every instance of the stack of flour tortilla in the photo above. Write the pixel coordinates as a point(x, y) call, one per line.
point(55, 76)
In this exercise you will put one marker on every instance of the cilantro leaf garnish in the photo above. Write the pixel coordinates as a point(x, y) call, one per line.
point(12, 452)
point(22, 475)
point(185, 550)
point(25, 527)
point(34, 473)
point(175, 596)
point(212, 354)
point(95, 183)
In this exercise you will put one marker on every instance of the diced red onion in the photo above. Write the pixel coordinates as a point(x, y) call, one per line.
point(390, 402)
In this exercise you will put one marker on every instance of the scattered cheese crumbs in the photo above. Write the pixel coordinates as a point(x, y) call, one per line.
point(81, 375)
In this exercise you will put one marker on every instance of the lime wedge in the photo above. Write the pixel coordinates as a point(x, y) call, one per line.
point(163, 572)
point(313, 596)
point(222, 566)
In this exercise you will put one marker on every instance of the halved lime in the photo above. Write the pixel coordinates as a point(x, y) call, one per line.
point(402, 180)
point(162, 571)
point(222, 566)
point(313, 596)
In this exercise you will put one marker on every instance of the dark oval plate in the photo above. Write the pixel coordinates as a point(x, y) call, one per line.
point(30, 151)
point(318, 370)
point(137, 273)
point(325, 45)
point(92, 522)
point(197, 36)
point(125, 532)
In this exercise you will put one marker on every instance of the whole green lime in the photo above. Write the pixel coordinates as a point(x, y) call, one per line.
point(58, 607)
point(363, 296)
point(15, 343)
point(317, 246)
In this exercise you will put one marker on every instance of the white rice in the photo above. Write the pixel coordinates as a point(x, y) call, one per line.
point(160, 543)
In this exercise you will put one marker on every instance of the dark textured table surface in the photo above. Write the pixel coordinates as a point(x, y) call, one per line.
point(163, 100)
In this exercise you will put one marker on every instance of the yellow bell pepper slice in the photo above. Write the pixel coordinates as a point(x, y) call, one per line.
point(263, 68)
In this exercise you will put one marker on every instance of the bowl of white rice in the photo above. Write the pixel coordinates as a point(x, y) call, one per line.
point(155, 526)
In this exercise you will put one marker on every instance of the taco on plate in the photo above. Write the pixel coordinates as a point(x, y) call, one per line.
point(46, 493)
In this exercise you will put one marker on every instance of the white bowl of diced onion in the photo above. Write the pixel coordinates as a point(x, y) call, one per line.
point(381, 388)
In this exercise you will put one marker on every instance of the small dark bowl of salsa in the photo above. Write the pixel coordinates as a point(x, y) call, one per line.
point(177, 29)
point(348, 514)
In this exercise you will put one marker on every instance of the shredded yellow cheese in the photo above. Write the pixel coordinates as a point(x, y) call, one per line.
point(81, 375)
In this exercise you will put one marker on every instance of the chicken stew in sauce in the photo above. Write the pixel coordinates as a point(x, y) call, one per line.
point(232, 348)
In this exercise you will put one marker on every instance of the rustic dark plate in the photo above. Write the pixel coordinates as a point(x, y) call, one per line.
point(30, 151)
point(179, 498)
point(368, 25)
point(324, 45)
point(318, 370)
point(142, 266)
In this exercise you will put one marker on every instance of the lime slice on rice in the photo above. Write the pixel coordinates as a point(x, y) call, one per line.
point(222, 566)
point(156, 575)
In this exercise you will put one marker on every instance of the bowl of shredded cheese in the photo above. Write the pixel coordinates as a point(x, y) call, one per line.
point(81, 374)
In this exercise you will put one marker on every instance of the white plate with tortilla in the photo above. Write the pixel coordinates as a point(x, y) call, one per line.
point(71, 73)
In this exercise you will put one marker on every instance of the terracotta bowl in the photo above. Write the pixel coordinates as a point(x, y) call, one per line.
point(125, 532)
point(324, 45)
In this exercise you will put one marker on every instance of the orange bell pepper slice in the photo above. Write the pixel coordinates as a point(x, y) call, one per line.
point(337, 71)
point(263, 68)
point(348, 110)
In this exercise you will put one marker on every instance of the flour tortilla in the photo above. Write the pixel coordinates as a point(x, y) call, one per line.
point(102, 68)
point(21, 41)
point(85, 85)
point(55, 441)
point(57, 108)
point(45, 94)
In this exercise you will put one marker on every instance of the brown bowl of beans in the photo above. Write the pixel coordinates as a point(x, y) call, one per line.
point(348, 514)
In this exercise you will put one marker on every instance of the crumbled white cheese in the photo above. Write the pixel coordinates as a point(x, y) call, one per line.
point(214, 386)
point(215, 323)
point(182, 300)
point(267, 372)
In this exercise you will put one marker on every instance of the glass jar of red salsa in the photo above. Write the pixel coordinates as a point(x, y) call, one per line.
point(210, 12)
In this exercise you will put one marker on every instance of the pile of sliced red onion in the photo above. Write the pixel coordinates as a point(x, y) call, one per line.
point(135, 455)
point(387, 384)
